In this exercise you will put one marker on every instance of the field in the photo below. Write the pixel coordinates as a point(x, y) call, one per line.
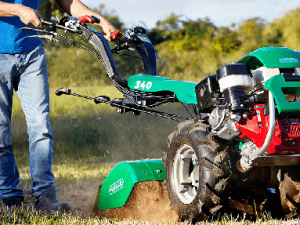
point(89, 140)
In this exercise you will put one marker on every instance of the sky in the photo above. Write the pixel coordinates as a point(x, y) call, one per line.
point(220, 12)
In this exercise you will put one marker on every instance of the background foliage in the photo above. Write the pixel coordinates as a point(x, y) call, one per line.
point(190, 50)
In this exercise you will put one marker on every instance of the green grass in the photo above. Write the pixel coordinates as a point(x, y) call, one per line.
point(82, 129)
point(30, 216)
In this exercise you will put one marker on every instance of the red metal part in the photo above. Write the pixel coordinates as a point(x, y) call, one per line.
point(86, 19)
point(89, 19)
point(115, 34)
point(286, 138)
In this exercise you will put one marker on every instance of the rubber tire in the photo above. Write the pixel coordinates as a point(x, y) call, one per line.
point(208, 153)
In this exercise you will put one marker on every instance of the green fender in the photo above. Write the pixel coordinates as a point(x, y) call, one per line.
point(118, 185)
point(184, 90)
point(272, 57)
point(278, 87)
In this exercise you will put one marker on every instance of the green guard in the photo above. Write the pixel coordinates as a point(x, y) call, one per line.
point(184, 90)
point(118, 185)
point(272, 57)
point(278, 87)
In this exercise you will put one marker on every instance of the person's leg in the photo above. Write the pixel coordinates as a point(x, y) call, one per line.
point(9, 176)
point(33, 91)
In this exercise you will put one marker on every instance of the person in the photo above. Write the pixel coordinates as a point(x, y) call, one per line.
point(23, 69)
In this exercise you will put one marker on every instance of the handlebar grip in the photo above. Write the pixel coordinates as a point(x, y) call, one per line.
point(89, 19)
point(115, 34)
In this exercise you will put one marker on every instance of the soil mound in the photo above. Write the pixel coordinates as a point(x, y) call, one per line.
point(148, 201)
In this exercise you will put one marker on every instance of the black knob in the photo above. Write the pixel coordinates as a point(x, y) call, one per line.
point(139, 30)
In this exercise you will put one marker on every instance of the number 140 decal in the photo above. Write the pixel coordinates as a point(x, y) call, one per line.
point(143, 85)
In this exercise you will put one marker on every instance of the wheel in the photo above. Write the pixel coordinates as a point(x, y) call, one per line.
point(195, 174)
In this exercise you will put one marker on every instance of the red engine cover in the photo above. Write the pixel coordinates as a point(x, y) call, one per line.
point(286, 138)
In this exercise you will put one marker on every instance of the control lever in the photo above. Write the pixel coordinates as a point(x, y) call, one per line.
point(102, 99)
point(63, 91)
point(43, 33)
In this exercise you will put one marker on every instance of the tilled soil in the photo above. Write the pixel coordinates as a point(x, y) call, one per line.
point(148, 201)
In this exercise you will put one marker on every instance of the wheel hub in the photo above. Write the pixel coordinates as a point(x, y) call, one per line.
point(186, 174)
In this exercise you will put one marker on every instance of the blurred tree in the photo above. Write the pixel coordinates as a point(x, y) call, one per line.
point(199, 28)
point(192, 35)
point(226, 40)
point(250, 33)
point(158, 36)
point(48, 8)
point(164, 29)
point(291, 29)
point(172, 23)
point(273, 33)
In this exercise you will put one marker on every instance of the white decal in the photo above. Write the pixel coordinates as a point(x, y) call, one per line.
point(148, 85)
point(137, 84)
point(288, 60)
point(117, 186)
point(143, 85)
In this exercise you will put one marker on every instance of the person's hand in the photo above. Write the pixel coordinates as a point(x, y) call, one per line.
point(29, 16)
point(107, 29)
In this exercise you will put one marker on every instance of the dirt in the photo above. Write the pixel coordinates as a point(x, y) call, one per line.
point(290, 195)
point(148, 201)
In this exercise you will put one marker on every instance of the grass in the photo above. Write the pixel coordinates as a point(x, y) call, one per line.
point(82, 129)
point(30, 216)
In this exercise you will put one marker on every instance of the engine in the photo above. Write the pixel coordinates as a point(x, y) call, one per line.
point(235, 105)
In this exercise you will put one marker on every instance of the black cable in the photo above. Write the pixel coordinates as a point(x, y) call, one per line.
point(187, 109)
point(88, 48)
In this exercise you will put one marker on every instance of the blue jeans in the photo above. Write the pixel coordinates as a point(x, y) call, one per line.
point(26, 73)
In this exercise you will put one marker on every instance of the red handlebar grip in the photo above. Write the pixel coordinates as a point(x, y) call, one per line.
point(115, 34)
point(86, 18)
point(89, 19)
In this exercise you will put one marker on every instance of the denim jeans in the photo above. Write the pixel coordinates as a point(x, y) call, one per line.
point(26, 73)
